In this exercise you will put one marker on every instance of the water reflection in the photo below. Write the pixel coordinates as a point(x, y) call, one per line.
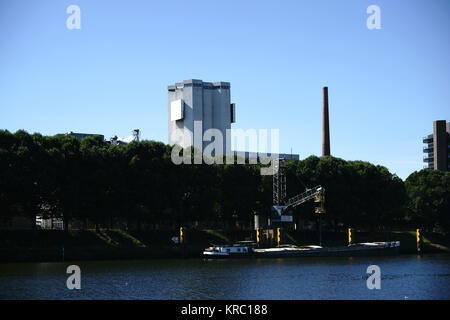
point(427, 277)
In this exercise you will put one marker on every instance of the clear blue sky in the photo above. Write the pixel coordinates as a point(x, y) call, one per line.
point(385, 86)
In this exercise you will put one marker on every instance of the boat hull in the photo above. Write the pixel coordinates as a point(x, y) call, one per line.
point(383, 249)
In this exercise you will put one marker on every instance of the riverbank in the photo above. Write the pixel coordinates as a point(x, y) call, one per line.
point(76, 245)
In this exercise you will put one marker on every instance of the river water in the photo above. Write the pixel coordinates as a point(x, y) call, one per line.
point(402, 277)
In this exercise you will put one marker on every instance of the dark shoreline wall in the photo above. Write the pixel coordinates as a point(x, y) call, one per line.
point(47, 246)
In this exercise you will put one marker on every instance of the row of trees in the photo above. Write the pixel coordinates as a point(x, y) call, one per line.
point(90, 180)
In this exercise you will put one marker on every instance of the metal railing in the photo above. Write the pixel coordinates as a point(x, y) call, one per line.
point(427, 139)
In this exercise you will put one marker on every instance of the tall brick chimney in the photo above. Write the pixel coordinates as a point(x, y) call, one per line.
point(325, 125)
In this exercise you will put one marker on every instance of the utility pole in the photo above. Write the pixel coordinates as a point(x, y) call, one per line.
point(320, 198)
point(320, 230)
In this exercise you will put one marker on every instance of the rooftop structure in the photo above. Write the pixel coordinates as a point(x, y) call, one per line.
point(84, 135)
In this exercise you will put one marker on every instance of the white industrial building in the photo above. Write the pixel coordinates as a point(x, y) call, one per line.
point(205, 104)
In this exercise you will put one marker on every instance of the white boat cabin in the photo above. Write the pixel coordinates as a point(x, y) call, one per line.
point(226, 250)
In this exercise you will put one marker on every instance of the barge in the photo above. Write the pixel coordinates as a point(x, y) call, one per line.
point(291, 251)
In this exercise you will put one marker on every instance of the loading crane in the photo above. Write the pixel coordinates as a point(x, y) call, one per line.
point(317, 193)
point(280, 205)
point(279, 193)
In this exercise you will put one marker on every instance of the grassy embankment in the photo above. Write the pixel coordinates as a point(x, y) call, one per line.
point(47, 245)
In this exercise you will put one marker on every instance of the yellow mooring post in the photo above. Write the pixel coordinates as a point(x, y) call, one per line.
point(419, 239)
point(350, 230)
point(267, 238)
point(181, 235)
point(278, 236)
point(258, 236)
